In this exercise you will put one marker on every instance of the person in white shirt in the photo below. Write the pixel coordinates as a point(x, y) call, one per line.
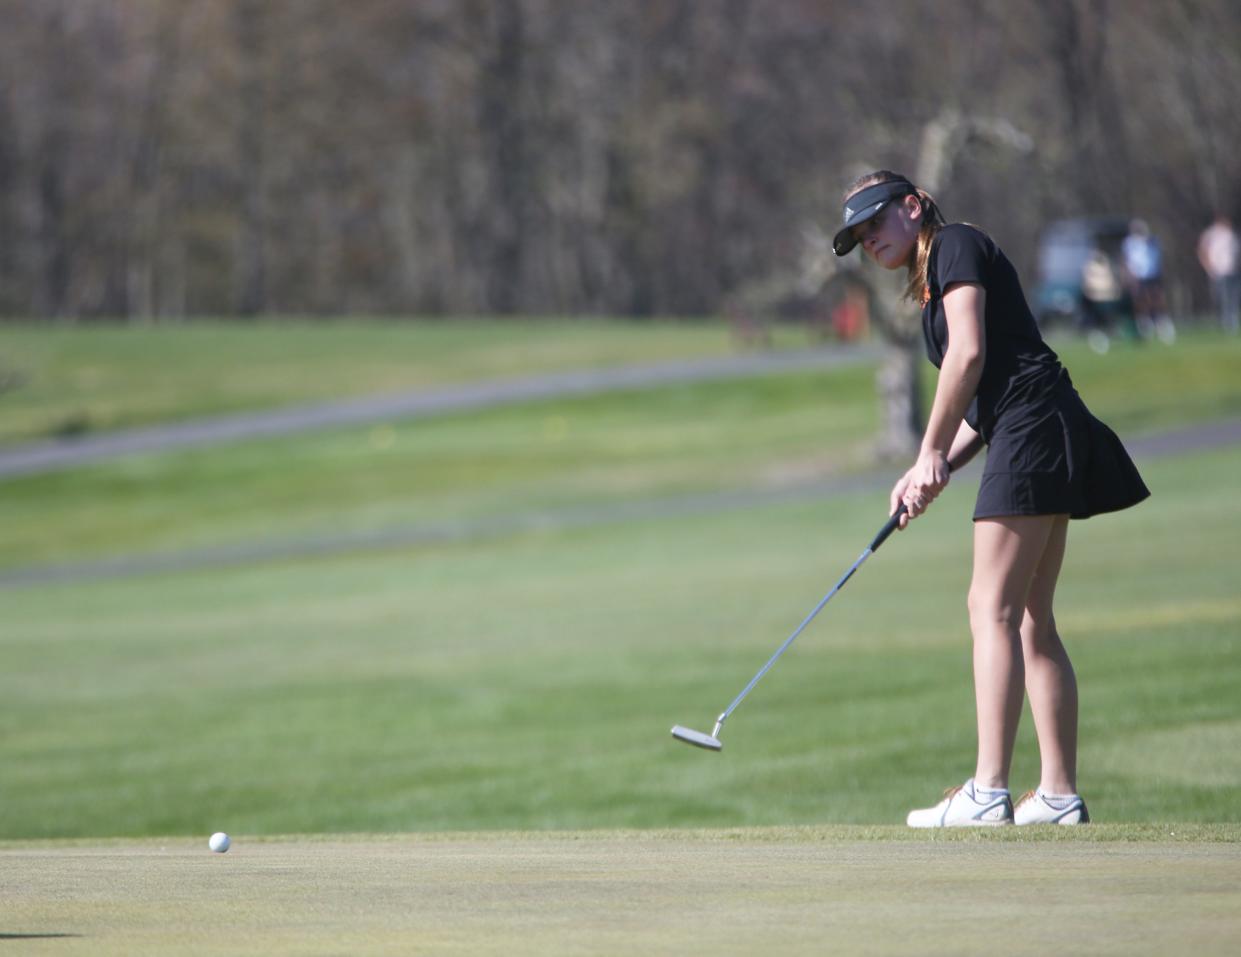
point(1144, 267)
point(1219, 251)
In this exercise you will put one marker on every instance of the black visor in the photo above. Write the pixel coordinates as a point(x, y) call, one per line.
point(866, 204)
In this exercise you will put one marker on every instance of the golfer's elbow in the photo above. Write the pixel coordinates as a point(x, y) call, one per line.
point(967, 359)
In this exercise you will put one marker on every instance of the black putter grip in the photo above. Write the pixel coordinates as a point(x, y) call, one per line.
point(895, 520)
point(888, 528)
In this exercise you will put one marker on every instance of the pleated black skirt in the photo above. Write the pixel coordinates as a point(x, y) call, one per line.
point(1057, 459)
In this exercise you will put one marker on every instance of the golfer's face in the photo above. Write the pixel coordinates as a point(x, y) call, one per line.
point(888, 237)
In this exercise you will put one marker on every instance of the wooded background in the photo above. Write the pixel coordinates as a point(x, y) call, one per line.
point(625, 157)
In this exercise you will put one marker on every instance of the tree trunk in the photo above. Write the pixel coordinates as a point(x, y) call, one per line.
point(899, 378)
point(900, 398)
point(251, 257)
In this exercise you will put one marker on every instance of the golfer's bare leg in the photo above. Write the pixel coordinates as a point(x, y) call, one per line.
point(1050, 681)
point(1007, 552)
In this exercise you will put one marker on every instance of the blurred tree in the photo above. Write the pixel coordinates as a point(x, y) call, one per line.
point(533, 156)
point(251, 26)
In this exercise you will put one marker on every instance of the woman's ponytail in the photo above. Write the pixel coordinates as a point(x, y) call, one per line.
point(918, 288)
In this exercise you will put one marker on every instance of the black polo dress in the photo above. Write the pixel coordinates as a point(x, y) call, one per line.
point(1046, 453)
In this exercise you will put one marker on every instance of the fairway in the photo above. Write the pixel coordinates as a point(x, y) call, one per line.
point(424, 673)
point(528, 678)
point(775, 891)
point(96, 378)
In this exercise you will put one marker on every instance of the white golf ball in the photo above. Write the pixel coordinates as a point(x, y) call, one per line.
point(219, 842)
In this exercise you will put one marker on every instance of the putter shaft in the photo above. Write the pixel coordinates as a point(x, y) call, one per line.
point(712, 741)
point(882, 536)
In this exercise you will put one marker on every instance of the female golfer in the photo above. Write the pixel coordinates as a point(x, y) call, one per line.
point(1048, 460)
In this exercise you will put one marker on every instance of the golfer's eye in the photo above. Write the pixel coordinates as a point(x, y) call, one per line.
point(861, 232)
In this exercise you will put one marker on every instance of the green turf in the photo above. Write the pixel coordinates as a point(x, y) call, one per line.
point(517, 680)
point(768, 432)
point(528, 680)
point(1105, 890)
point(71, 379)
point(76, 378)
point(1143, 386)
point(525, 675)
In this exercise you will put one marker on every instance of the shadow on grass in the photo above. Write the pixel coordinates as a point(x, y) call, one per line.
point(4, 936)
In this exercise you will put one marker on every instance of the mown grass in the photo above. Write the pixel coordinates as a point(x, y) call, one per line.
point(525, 675)
point(778, 891)
point(89, 378)
point(771, 432)
point(528, 680)
point(506, 692)
point(64, 380)
point(768, 431)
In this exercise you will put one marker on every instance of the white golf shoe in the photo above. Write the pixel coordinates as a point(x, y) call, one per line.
point(1035, 807)
point(965, 806)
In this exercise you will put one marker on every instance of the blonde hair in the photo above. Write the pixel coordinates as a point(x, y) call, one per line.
point(916, 289)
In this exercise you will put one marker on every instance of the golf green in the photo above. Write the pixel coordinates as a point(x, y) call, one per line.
point(1102, 890)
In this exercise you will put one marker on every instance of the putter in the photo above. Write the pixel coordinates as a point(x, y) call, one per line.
point(712, 741)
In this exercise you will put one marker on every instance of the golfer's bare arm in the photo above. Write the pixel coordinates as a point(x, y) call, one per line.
point(960, 373)
point(965, 446)
point(947, 435)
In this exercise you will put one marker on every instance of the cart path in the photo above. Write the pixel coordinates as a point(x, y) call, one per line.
point(56, 455)
point(1197, 438)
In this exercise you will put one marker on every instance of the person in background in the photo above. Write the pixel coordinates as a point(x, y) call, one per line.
point(1103, 300)
point(1048, 461)
point(1144, 264)
point(1219, 252)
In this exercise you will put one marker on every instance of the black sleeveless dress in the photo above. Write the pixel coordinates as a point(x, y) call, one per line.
point(1046, 453)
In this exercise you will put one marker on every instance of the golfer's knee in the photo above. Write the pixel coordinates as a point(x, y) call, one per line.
point(991, 612)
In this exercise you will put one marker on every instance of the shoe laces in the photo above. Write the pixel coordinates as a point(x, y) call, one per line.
point(1028, 796)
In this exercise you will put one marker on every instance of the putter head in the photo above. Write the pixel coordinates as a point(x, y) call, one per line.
point(696, 738)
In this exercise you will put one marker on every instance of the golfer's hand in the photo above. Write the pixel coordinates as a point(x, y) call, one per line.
point(927, 479)
point(897, 496)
